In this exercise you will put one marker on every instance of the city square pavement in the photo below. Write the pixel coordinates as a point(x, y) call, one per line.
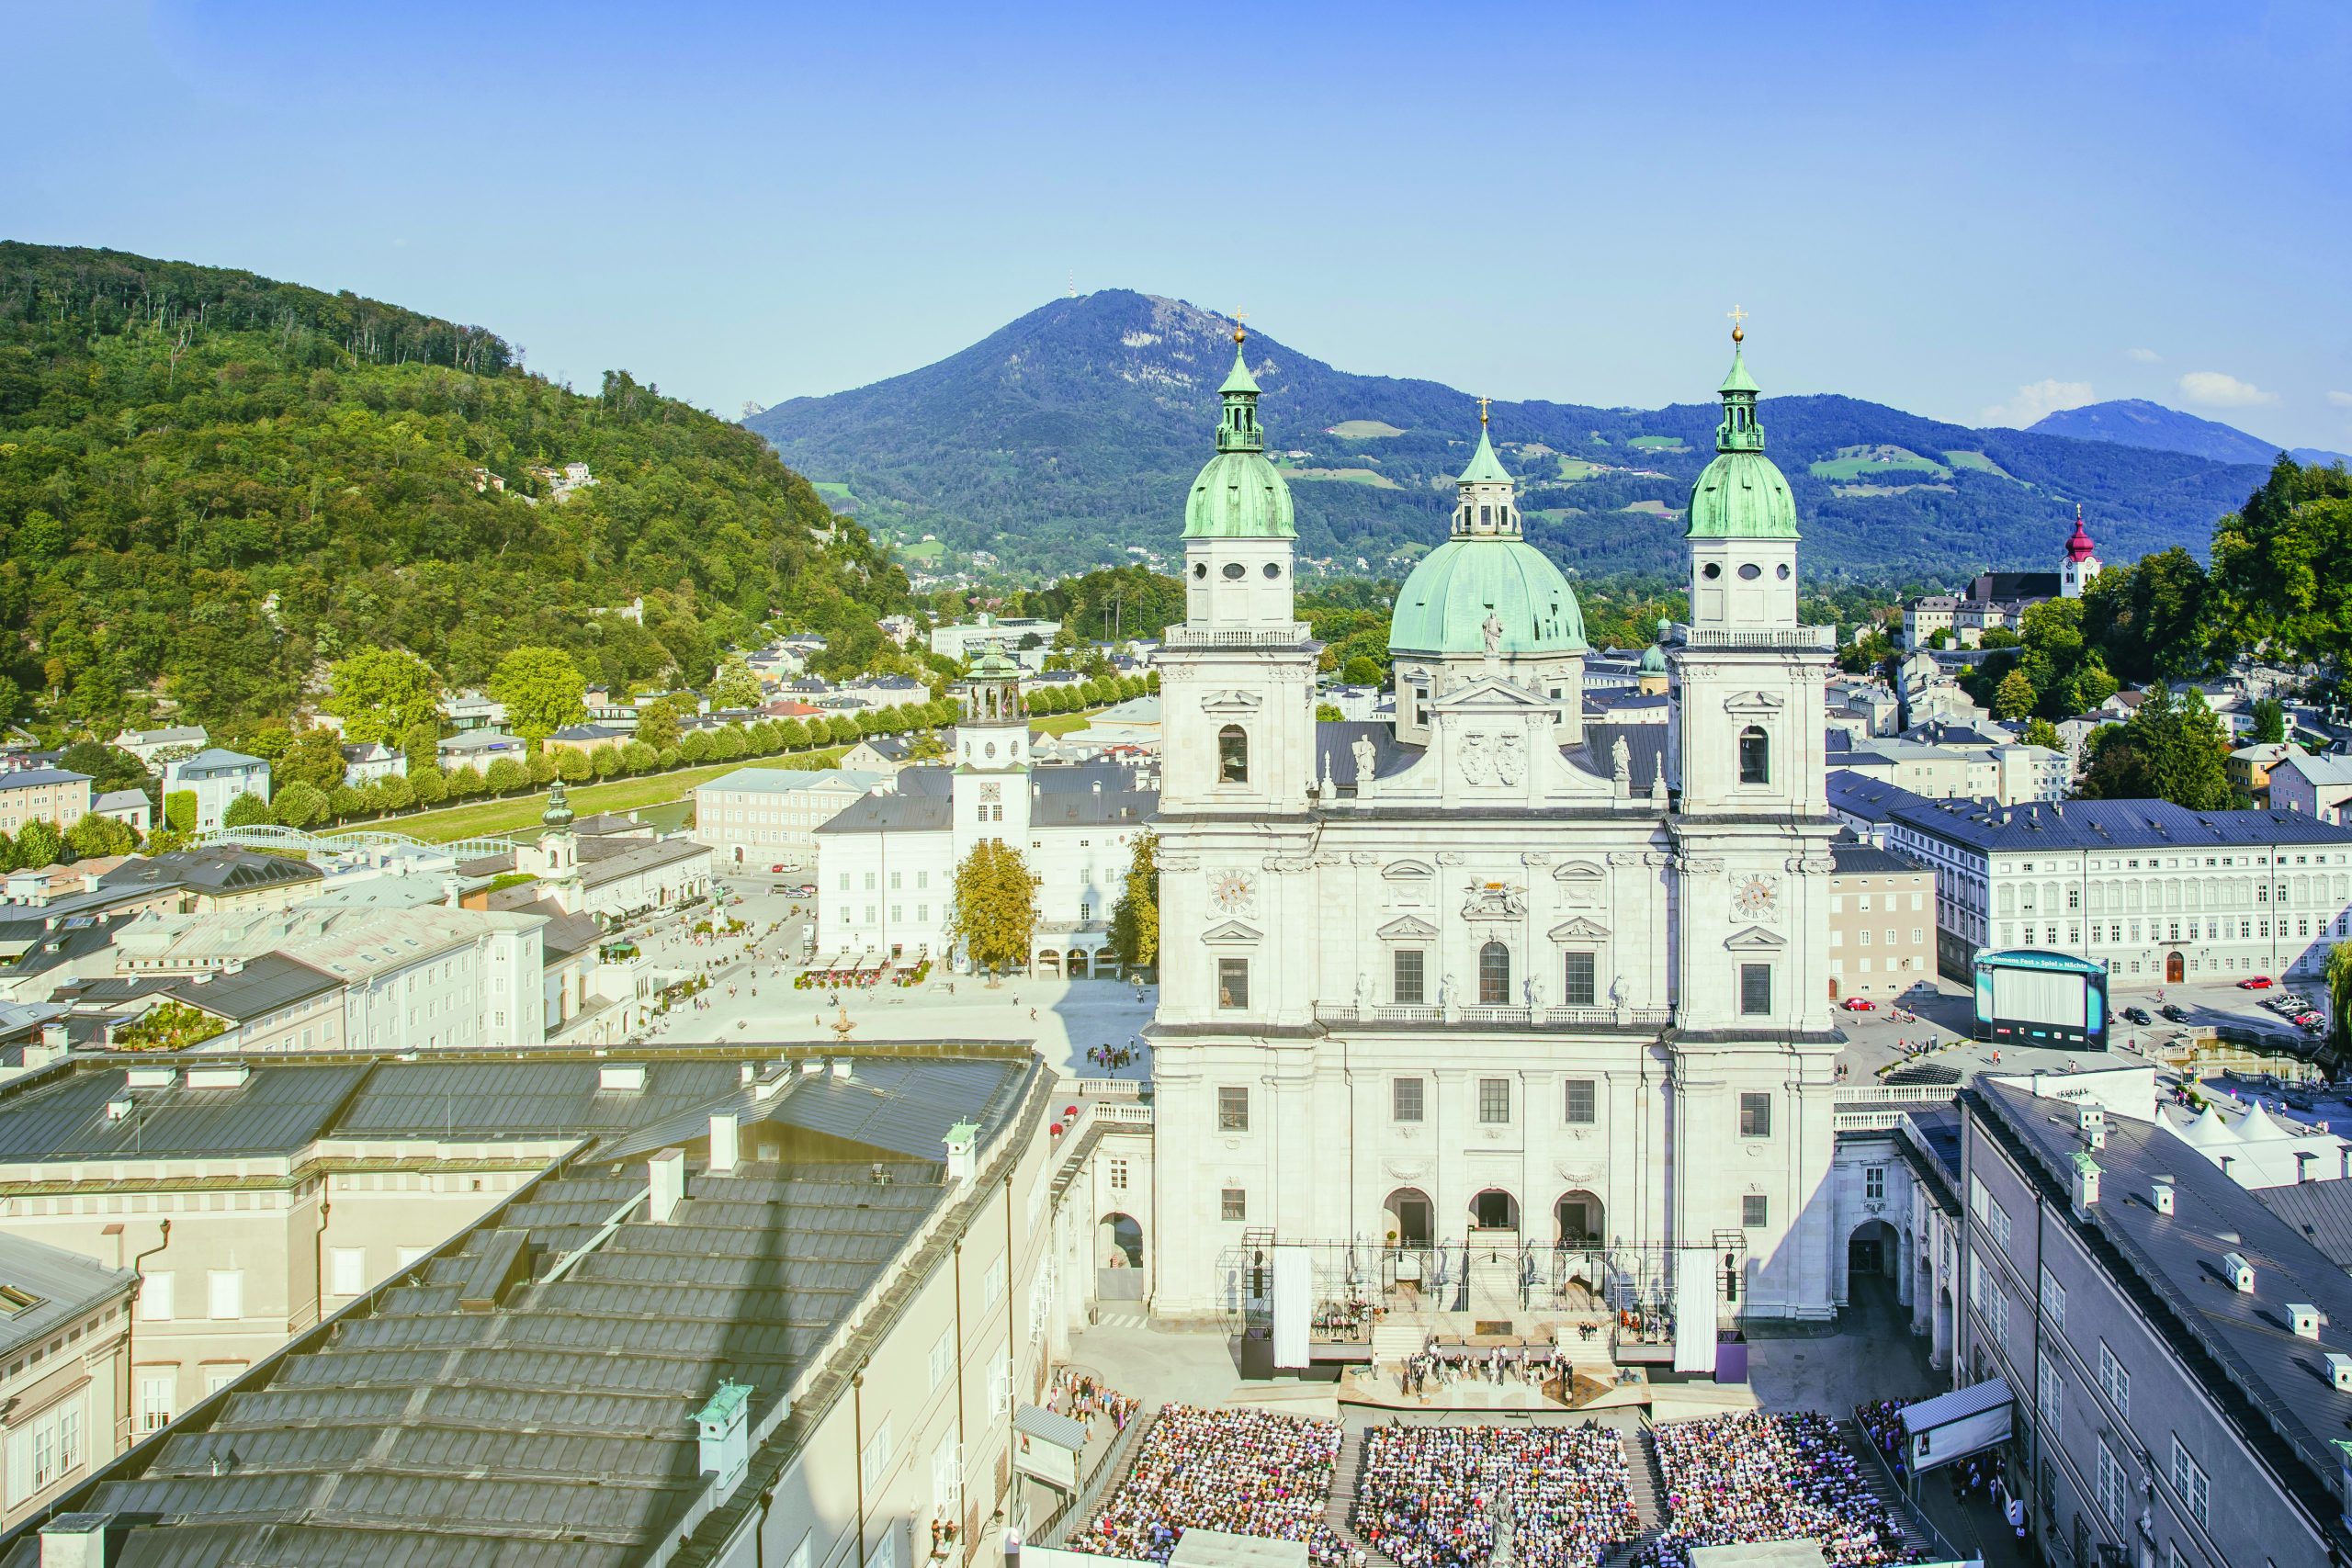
point(753, 998)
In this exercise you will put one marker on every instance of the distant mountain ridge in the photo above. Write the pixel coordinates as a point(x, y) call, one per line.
point(2136, 421)
point(1072, 433)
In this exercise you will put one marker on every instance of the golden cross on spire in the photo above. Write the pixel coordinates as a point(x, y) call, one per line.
point(1239, 332)
point(1738, 316)
point(1482, 409)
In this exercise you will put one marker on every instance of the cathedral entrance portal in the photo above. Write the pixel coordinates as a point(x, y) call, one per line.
point(1578, 1215)
point(1408, 1214)
point(1495, 1210)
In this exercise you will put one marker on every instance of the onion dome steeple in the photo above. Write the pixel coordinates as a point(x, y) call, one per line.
point(558, 812)
point(2079, 547)
point(1741, 495)
point(1239, 493)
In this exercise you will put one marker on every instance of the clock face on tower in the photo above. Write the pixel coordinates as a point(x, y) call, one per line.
point(1755, 897)
point(1232, 892)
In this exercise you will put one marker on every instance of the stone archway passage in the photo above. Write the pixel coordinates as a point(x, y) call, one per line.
point(1121, 1237)
point(1049, 962)
point(1578, 1220)
point(1872, 1249)
point(1406, 1216)
point(1076, 963)
point(1495, 1210)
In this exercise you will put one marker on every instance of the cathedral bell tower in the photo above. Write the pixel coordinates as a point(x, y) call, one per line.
point(1237, 678)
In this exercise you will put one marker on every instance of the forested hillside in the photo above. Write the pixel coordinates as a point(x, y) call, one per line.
point(212, 483)
point(1072, 433)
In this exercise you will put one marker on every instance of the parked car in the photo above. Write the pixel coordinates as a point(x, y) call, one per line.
point(1857, 1004)
point(805, 890)
point(776, 870)
point(2174, 1011)
point(2255, 983)
point(2139, 1016)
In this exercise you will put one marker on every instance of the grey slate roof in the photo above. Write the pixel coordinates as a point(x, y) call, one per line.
point(549, 1427)
point(264, 985)
point(918, 804)
point(64, 1285)
point(273, 1112)
point(1847, 858)
point(2320, 1211)
point(2077, 825)
point(1644, 750)
point(2262, 1378)
point(212, 870)
point(30, 778)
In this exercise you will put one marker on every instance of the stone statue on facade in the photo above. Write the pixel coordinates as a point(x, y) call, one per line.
point(1621, 767)
point(1493, 631)
point(1364, 753)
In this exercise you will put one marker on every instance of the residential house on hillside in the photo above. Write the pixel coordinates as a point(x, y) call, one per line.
point(586, 737)
point(2314, 787)
point(2249, 767)
point(44, 795)
point(148, 745)
point(216, 777)
point(363, 765)
point(477, 749)
point(471, 710)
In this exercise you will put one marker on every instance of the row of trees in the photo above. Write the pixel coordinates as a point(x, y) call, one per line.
point(36, 844)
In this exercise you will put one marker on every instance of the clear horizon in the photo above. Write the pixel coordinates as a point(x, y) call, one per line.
point(1977, 217)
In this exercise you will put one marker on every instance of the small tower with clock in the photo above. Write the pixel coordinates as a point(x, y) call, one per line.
point(990, 785)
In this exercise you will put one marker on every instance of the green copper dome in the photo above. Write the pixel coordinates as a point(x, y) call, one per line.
point(1653, 655)
point(1239, 493)
point(1741, 495)
point(1485, 568)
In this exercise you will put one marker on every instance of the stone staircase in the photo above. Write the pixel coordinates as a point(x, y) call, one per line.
point(1649, 1496)
point(1494, 1282)
point(1898, 1508)
point(1345, 1472)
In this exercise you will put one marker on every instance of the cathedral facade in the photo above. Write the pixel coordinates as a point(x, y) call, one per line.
point(1466, 983)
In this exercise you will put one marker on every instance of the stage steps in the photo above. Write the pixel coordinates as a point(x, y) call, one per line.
point(1648, 1489)
point(1900, 1508)
point(1394, 1343)
point(1346, 1471)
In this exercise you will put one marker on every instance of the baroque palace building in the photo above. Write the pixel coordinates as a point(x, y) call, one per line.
point(1464, 1001)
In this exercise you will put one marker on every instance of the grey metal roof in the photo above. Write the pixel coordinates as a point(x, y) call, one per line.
point(551, 1428)
point(2265, 1380)
point(30, 778)
point(1335, 743)
point(63, 1285)
point(1089, 795)
point(1644, 750)
point(1050, 1425)
point(2320, 1211)
point(2078, 825)
point(918, 803)
point(273, 1111)
point(1867, 860)
point(215, 868)
point(262, 986)
point(523, 1099)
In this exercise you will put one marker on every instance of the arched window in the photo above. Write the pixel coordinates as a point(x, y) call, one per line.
point(1494, 975)
point(1232, 755)
point(1755, 756)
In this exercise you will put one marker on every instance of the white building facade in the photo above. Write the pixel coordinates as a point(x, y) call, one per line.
point(1464, 981)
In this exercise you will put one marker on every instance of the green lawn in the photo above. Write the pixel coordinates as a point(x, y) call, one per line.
point(1348, 476)
point(1654, 508)
point(926, 549)
point(480, 819)
point(1658, 443)
point(1979, 463)
point(1873, 462)
point(1362, 430)
point(1574, 469)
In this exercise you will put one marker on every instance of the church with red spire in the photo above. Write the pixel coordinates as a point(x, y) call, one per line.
point(2081, 564)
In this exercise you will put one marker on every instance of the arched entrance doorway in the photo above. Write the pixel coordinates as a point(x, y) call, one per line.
point(2174, 967)
point(1049, 962)
point(1833, 987)
point(1577, 1218)
point(1078, 964)
point(1495, 1210)
point(1872, 1252)
point(1119, 1242)
point(1404, 1217)
point(1940, 1355)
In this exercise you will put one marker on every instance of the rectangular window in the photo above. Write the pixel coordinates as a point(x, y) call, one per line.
point(2049, 1394)
point(2110, 1483)
point(158, 1391)
point(1118, 1176)
point(1577, 985)
point(1232, 1110)
point(1756, 990)
point(1753, 1209)
point(2053, 1299)
point(347, 1270)
point(2188, 1480)
point(943, 1357)
point(1232, 984)
point(1580, 1110)
point(45, 1449)
point(874, 1464)
point(1404, 1099)
point(226, 1293)
point(155, 1298)
point(1494, 1100)
point(1755, 1115)
point(2115, 1380)
point(219, 1375)
point(1405, 967)
point(1874, 1183)
point(1234, 1205)
point(947, 1477)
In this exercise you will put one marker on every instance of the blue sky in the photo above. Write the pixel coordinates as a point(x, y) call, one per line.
point(1973, 212)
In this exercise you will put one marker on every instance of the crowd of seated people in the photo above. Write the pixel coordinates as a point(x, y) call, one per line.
point(1433, 1496)
point(1761, 1475)
point(1244, 1471)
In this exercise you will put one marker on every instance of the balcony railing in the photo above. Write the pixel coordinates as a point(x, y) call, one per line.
point(1571, 1018)
point(1808, 639)
point(1496, 1015)
point(1607, 1017)
point(1291, 635)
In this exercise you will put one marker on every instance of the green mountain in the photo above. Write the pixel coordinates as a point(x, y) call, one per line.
point(210, 483)
point(1073, 434)
point(2136, 421)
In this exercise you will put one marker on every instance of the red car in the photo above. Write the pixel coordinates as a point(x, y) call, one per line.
point(1857, 1004)
point(2258, 983)
point(775, 871)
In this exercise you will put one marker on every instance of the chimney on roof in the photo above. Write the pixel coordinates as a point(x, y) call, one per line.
point(963, 1141)
point(722, 1428)
point(2085, 1185)
point(667, 1174)
point(2239, 1272)
point(80, 1541)
point(2303, 1318)
point(2092, 1122)
point(726, 1143)
point(2163, 1195)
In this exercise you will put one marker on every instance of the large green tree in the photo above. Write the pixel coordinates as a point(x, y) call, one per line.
point(381, 693)
point(2282, 563)
point(315, 759)
point(734, 686)
point(542, 690)
point(2172, 748)
point(993, 911)
point(1135, 917)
